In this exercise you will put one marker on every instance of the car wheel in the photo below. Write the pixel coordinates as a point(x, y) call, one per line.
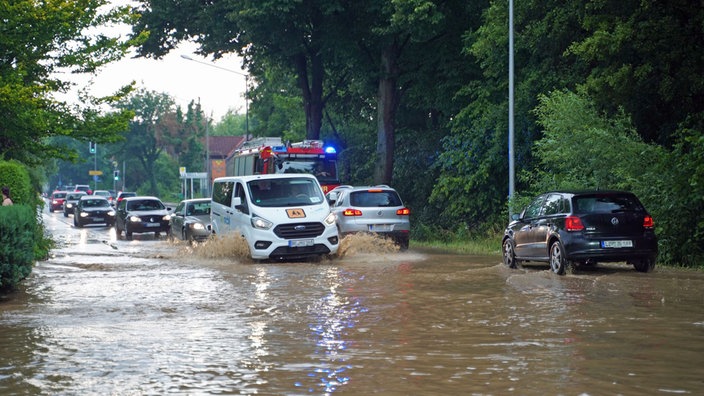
point(76, 223)
point(403, 244)
point(65, 214)
point(646, 264)
point(128, 233)
point(558, 262)
point(156, 234)
point(510, 253)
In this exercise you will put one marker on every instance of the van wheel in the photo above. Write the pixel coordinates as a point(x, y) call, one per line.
point(558, 262)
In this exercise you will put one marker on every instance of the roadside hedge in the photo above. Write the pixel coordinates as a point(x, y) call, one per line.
point(18, 226)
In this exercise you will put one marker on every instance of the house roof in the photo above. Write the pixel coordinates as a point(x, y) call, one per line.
point(224, 146)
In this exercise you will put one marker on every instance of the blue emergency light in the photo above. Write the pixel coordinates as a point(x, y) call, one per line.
point(330, 150)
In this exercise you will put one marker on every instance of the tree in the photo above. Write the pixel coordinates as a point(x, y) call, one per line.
point(295, 35)
point(149, 132)
point(39, 42)
point(647, 57)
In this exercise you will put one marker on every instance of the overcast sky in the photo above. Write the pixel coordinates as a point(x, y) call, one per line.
point(185, 80)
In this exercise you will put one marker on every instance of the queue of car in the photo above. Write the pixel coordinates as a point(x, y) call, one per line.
point(286, 216)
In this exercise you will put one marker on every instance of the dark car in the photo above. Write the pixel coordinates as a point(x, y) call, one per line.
point(56, 201)
point(140, 215)
point(376, 209)
point(582, 228)
point(191, 220)
point(71, 201)
point(93, 209)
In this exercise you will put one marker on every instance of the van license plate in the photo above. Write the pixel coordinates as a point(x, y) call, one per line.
point(380, 227)
point(300, 243)
point(616, 244)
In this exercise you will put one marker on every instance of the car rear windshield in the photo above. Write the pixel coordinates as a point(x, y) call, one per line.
point(608, 203)
point(60, 195)
point(144, 204)
point(375, 198)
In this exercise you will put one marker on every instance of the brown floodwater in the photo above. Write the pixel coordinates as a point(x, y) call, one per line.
point(152, 317)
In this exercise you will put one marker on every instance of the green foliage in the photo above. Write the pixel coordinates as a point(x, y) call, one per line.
point(583, 149)
point(646, 57)
point(39, 43)
point(17, 244)
point(15, 176)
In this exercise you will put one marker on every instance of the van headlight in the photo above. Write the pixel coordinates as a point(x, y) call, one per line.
point(330, 219)
point(261, 223)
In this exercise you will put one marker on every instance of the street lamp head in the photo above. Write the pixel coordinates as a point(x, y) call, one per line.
point(186, 57)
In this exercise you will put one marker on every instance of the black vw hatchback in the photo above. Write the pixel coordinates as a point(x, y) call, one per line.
point(582, 228)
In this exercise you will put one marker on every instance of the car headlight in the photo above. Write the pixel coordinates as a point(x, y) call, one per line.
point(69, 206)
point(166, 218)
point(135, 219)
point(261, 223)
point(111, 213)
point(197, 226)
point(330, 219)
point(83, 214)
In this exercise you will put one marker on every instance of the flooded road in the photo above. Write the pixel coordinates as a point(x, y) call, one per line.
point(151, 317)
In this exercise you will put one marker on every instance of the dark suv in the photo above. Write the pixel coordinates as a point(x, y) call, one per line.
point(140, 215)
point(582, 228)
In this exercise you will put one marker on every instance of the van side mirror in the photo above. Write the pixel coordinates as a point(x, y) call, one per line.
point(332, 197)
point(237, 202)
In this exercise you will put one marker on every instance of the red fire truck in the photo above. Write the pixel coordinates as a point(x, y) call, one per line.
point(271, 155)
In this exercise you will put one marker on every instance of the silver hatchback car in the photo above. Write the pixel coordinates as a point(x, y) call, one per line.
point(375, 209)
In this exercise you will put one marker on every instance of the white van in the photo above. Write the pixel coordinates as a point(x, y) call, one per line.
point(282, 216)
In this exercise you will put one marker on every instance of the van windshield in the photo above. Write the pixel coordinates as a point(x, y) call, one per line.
point(275, 193)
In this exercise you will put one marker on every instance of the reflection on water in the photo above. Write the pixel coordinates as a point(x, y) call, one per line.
point(156, 317)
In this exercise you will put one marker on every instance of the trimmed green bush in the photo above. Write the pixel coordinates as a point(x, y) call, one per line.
point(17, 244)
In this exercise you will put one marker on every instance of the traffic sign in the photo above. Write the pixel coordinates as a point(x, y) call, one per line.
point(95, 172)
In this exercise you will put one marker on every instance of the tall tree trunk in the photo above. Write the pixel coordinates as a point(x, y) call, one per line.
point(312, 92)
point(387, 101)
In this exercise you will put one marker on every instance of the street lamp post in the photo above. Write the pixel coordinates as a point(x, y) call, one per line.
point(246, 111)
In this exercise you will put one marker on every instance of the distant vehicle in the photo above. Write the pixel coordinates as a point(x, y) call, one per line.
point(93, 209)
point(281, 216)
point(83, 187)
point(56, 200)
point(106, 194)
point(71, 201)
point(141, 214)
point(375, 209)
point(122, 195)
point(190, 220)
point(582, 227)
point(269, 155)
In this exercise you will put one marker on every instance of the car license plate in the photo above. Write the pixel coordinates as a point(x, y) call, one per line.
point(97, 219)
point(616, 244)
point(300, 243)
point(380, 227)
point(152, 224)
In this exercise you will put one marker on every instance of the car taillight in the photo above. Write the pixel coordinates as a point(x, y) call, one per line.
point(648, 222)
point(352, 212)
point(403, 212)
point(573, 223)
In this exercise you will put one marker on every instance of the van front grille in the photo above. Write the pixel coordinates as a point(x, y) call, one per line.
point(299, 230)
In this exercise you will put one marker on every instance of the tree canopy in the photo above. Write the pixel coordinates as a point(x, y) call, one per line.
point(39, 43)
